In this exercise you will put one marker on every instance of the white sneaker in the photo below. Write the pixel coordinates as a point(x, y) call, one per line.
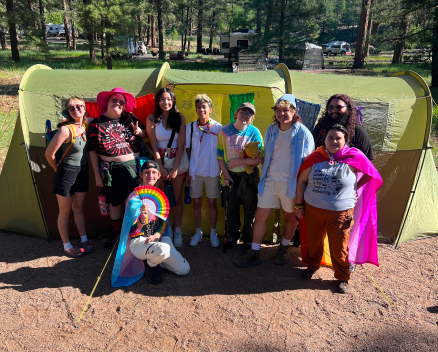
point(196, 239)
point(214, 241)
point(177, 239)
point(170, 233)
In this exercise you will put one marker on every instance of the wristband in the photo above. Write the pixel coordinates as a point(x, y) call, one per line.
point(141, 222)
point(299, 206)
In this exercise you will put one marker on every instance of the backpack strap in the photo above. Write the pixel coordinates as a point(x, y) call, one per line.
point(73, 140)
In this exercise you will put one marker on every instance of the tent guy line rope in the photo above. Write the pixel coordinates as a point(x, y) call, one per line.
point(97, 282)
point(375, 283)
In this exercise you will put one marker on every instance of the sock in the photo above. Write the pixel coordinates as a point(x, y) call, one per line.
point(178, 229)
point(84, 238)
point(198, 231)
point(212, 232)
point(256, 246)
point(67, 246)
point(116, 226)
point(285, 242)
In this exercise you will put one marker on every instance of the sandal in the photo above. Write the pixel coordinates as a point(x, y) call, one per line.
point(88, 248)
point(75, 252)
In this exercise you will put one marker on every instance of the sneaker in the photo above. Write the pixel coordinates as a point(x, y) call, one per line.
point(196, 239)
point(251, 257)
point(177, 239)
point(343, 287)
point(88, 248)
point(351, 268)
point(75, 252)
point(307, 274)
point(153, 275)
point(214, 241)
point(111, 242)
point(230, 242)
point(282, 255)
point(170, 234)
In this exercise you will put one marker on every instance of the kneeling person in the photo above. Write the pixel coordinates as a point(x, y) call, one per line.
point(148, 235)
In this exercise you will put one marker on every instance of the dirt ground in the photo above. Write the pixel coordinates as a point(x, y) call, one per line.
point(217, 307)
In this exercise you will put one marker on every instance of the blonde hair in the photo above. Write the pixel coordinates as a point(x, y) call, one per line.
point(70, 120)
point(288, 105)
point(203, 98)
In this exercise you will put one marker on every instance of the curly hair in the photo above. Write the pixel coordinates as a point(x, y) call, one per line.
point(326, 121)
point(288, 105)
point(174, 120)
point(70, 119)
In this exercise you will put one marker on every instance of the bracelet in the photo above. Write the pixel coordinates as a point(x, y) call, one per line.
point(299, 206)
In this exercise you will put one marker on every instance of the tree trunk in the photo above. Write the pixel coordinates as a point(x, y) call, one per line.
point(148, 32)
point(268, 26)
point(43, 21)
point(258, 17)
point(190, 31)
point(66, 26)
point(281, 43)
point(435, 50)
point(2, 39)
point(90, 37)
point(109, 61)
point(140, 32)
point(361, 36)
point(199, 26)
point(73, 27)
point(369, 26)
point(153, 37)
point(210, 45)
point(399, 49)
point(160, 31)
point(30, 4)
point(375, 27)
point(12, 31)
point(102, 47)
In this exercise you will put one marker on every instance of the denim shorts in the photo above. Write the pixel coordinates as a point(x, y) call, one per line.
point(70, 179)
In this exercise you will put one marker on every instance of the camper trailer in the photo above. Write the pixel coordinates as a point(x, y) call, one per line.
point(232, 43)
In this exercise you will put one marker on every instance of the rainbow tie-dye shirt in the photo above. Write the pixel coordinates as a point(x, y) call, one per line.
point(230, 141)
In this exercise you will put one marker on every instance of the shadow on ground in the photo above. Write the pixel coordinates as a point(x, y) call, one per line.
point(40, 264)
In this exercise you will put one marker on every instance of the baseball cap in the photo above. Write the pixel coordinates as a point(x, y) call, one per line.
point(248, 106)
point(150, 164)
point(290, 98)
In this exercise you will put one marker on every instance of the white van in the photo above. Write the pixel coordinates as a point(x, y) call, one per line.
point(53, 29)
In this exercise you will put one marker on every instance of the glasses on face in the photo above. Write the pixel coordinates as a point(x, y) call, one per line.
point(75, 107)
point(247, 113)
point(336, 108)
point(117, 101)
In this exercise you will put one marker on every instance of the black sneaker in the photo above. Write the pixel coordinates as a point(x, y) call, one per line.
point(231, 241)
point(153, 275)
point(307, 274)
point(343, 287)
point(282, 255)
point(111, 242)
point(251, 257)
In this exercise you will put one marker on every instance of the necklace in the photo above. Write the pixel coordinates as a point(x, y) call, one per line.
point(204, 130)
point(332, 159)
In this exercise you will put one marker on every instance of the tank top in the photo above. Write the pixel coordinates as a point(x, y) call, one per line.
point(331, 187)
point(163, 136)
point(77, 155)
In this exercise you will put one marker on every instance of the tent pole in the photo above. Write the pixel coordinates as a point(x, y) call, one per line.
point(411, 198)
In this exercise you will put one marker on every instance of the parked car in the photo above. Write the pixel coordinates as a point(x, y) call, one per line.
point(62, 32)
point(336, 48)
point(141, 48)
point(82, 35)
point(53, 29)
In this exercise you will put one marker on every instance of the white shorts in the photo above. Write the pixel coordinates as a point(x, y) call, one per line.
point(212, 187)
point(274, 195)
point(160, 253)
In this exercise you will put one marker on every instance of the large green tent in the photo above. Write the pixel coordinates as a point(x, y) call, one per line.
point(396, 111)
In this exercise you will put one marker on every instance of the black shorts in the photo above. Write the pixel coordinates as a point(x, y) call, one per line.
point(70, 179)
point(122, 185)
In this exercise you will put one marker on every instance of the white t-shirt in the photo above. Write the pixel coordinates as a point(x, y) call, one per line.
point(279, 167)
point(163, 136)
point(204, 158)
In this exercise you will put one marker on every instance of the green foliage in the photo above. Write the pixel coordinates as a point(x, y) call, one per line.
point(54, 18)
point(174, 34)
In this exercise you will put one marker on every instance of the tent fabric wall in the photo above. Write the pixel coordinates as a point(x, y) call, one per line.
point(397, 115)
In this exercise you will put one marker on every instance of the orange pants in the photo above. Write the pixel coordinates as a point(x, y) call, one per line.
point(337, 225)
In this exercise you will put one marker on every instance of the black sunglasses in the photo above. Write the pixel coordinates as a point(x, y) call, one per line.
point(117, 101)
point(75, 107)
point(336, 108)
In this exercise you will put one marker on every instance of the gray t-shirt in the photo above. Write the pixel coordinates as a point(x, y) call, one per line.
point(331, 187)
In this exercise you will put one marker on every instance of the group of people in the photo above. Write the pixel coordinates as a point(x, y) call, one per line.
point(322, 186)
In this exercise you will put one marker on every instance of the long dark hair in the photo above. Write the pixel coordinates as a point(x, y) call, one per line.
point(174, 120)
point(326, 121)
point(285, 103)
point(70, 119)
